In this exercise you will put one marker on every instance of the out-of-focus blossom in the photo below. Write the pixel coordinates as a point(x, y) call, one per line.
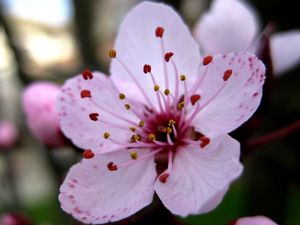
point(8, 134)
point(255, 220)
point(41, 115)
point(164, 107)
point(232, 25)
point(14, 219)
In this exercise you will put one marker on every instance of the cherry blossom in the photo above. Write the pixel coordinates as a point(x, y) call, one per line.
point(254, 220)
point(8, 134)
point(159, 123)
point(232, 25)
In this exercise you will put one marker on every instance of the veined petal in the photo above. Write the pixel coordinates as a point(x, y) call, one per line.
point(137, 45)
point(200, 177)
point(78, 117)
point(229, 26)
point(255, 220)
point(231, 91)
point(93, 194)
point(285, 51)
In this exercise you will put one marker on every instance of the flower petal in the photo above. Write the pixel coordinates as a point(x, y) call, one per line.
point(229, 26)
point(231, 91)
point(137, 45)
point(255, 220)
point(74, 113)
point(200, 177)
point(93, 194)
point(285, 51)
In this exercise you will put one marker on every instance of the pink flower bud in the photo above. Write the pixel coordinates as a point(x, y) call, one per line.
point(8, 134)
point(39, 106)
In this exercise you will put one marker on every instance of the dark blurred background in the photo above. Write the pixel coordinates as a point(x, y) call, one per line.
point(56, 39)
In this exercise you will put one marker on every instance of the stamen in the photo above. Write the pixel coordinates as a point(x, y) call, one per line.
point(127, 106)
point(133, 129)
point(168, 56)
point(182, 77)
point(87, 74)
point(85, 94)
point(204, 141)
point(159, 32)
point(195, 98)
point(94, 116)
point(180, 105)
point(88, 154)
point(170, 142)
point(112, 53)
point(151, 137)
point(106, 135)
point(122, 96)
point(141, 123)
point(156, 88)
point(111, 166)
point(171, 122)
point(174, 131)
point(206, 60)
point(135, 138)
point(133, 155)
point(163, 177)
point(147, 68)
point(166, 91)
point(227, 74)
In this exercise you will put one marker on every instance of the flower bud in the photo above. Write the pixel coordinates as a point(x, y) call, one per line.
point(8, 134)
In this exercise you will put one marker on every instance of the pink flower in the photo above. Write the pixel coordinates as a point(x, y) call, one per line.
point(158, 123)
point(41, 116)
point(14, 219)
point(255, 220)
point(231, 25)
point(8, 134)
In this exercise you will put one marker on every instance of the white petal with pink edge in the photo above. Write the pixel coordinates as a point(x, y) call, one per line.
point(85, 120)
point(231, 91)
point(285, 51)
point(93, 194)
point(229, 26)
point(137, 45)
point(200, 177)
point(255, 220)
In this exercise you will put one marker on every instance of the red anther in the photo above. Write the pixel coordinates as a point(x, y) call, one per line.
point(195, 98)
point(163, 178)
point(204, 141)
point(88, 154)
point(168, 56)
point(94, 116)
point(159, 32)
point(147, 68)
point(227, 74)
point(85, 94)
point(87, 74)
point(207, 60)
point(111, 166)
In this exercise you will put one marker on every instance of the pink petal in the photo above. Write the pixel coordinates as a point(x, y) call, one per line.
point(227, 104)
point(229, 26)
point(74, 113)
point(285, 51)
point(137, 45)
point(93, 194)
point(200, 177)
point(8, 134)
point(255, 220)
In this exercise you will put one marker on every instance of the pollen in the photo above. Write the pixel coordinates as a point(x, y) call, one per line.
point(133, 129)
point(151, 137)
point(168, 56)
point(171, 122)
point(87, 74)
point(133, 155)
point(135, 138)
point(94, 116)
point(206, 60)
point(227, 74)
point(204, 141)
point(112, 53)
point(159, 32)
point(88, 154)
point(182, 77)
point(141, 123)
point(195, 98)
point(180, 105)
point(147, 68)
point(156, 88)
point(169, 130)
point(111, 166)
point(106, 135)
point(127, 106)
point(122, 96)
point(166, 91)
point(85, 94)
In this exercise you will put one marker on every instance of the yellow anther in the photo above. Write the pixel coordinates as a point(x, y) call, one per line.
point(106, 135)
point(182, 77)
point(127, 106)
point(141, 123)
point(135, 138)
point(133, 129)
point(112, 53)
point(133, 155)
point(169, 130)
point(121, 96)
point(167, 91)
point(156, 88)
point(171, 122)
point(151, 137)
point(180, 105)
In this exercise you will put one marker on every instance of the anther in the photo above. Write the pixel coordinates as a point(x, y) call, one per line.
point(204, 141)
point(161, 128)
point(85, 94)
point(111, 166)
point(227, 74)
point(106, 135)
point(127, 106)
point(133, 155)
point(166, 91)
point(151, 137)
point(112, 53)
point(207, 60)
point(168, 56)
point(180, 105)
point(163, 178)
point(195, 98)
point(122, 96)
point(147, 69)
point(88, 154)
point(87, 74)
point(156, 88)
point(133, 129)
point(94, 116)
point(169, 130)
point(135, 138)
point(182, 77)
point(159, 32)
point(141, 123)
point(171, 122)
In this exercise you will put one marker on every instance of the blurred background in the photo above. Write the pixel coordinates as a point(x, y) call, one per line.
point(56, 39)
